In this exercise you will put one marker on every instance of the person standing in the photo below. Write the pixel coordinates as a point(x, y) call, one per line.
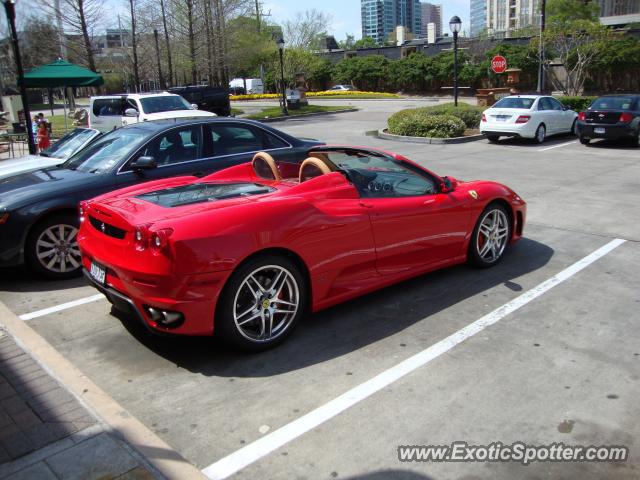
point(43, 136)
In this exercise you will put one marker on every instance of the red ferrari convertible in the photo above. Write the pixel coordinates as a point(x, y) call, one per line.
point(245, 252)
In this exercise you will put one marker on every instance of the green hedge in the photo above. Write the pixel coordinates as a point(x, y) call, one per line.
point(469, 114)
point(418, 123)
point(577, 103)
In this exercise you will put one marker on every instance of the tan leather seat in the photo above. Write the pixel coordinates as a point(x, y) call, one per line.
point(313, 167)
point(265, 166)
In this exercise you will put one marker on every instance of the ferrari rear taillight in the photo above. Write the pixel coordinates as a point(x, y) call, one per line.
point(484, 117)
point(160, 239)
point(523, 119)
point(582, 116)
point(141, 237)
point(82, 210)
point(626, 117)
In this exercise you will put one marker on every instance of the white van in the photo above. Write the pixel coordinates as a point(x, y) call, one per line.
point(113, 111)
point(254, 85)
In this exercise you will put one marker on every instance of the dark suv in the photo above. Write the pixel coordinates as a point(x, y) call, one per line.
point(210, 99)
point(614, 117)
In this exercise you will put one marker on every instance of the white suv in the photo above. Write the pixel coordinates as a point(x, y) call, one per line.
point(113, 111)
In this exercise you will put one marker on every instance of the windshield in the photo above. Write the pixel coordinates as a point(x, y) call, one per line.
point(612, 103)
point(515, 102)
point(164, 103)
point(107, 151)
point(70, 143)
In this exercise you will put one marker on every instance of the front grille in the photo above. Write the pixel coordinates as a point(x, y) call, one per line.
point(107, 229)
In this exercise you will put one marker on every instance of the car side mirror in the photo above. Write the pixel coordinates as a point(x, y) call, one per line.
point(194, 106)
point(565, 108)
point(131, 112)
point(448, 185)
point(144, 163)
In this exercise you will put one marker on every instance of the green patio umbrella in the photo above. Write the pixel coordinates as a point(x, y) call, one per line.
point(62, 74)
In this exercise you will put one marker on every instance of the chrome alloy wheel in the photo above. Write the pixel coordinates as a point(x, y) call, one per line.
point(266, 303)
point(57, 248)
point(491, 239)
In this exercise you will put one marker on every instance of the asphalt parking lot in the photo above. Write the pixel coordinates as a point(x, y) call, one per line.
point(544, 365)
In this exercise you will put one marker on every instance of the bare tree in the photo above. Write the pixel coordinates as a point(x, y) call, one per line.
point(306, 29)
point(167, 42)
point(79, 19)
point(134, 45)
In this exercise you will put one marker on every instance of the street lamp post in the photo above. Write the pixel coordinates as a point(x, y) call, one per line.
point(455, 24)
point(280, 43)
point(10, 9)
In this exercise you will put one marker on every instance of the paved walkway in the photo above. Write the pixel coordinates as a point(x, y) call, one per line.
point(46, 433)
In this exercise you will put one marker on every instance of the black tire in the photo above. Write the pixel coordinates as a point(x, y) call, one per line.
point(54, 260)
point(493, 138)
point(236, 296)
point(475, 245)
point(585, 141)
point(540, 137)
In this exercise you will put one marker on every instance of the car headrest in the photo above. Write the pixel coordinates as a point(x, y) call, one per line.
point(264, 166)
point(313, 167)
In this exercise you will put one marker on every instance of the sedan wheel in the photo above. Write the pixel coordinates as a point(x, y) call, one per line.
point(261, 304)
point(541, 134)
point(52, 248)
point(490, 236)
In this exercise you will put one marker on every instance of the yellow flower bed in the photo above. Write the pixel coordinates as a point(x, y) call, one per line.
point(328, 93)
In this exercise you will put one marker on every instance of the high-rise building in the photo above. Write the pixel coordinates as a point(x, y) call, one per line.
point(478, 17)
point(380, 17)
point(614, 8)
point(507, 16)
point(431, 13)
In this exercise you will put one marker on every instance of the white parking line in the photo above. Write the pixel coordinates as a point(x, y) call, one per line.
point(245, 456)
point(557, 146)
point(63, 306)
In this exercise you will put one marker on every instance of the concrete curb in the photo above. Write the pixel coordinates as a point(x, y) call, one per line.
point(305, 115)
point(121, 423)
point(434, 141)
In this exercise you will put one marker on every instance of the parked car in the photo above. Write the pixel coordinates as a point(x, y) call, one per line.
point(245, 252)
point(250, 85)
point(114, 111)
point(614, 117)
point(210, 99)
point(56, 154)
point(38, 210)
point(343, 88)
point(527, 116)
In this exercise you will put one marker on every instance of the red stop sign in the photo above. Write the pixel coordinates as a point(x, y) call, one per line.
point(498, 64)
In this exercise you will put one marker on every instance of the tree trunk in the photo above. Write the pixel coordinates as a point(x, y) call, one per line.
point(85, 36)
point(209, 41)
point(166, 39)
point(134, 46)
point(192, 43)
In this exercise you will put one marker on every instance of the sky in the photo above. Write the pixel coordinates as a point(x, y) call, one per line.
point(346, 13)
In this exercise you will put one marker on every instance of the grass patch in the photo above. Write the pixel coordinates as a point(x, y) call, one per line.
point(236, 111)
point(275, 112)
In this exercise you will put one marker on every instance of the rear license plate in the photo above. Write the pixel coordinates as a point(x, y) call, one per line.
point(598, 130)
point(501, 118)
point(98, 273)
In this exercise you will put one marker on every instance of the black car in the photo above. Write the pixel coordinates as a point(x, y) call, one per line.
point(38, 209)
point(614, 117)
point(209, 99)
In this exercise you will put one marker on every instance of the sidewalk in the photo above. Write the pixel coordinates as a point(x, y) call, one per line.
point(45, 432)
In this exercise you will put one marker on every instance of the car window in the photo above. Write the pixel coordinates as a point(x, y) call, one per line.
point(68, 144)
point(544, 104)
point(107, 151)
point(108, 107)
point(555, 104)
point(164, 103)
point(234, 139)
point(175, 146)
point(382, 176)
point(514, 102)
point(613, 103)
point(271, 141)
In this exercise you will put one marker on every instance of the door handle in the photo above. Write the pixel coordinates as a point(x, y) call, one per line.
point(366, 205)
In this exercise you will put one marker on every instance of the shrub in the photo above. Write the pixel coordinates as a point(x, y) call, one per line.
point(414, 123)
point(469, 114)
point(577, 103)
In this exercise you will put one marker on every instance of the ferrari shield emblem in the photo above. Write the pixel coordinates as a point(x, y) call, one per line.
point(473, 194)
